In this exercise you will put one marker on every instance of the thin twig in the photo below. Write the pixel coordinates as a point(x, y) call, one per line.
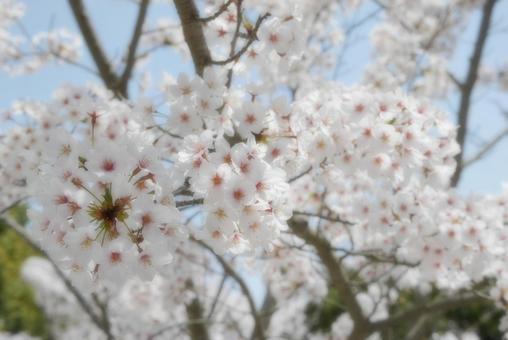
point(252, 38)
point(217, 295)
point(232, 47)
point(258, 323)
point(486, 148)
point(327, 218)
point(12, 205)
point(133, 46)
point(292, 179)
point(214, 16)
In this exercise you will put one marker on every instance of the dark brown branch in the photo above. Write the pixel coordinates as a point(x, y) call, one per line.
point(297, 177)
point(258, 332)
point(362, 326)
point(133, 46)
point(469, 84)
point(338, 278)
point(197, 330)
point(193, 34)
point(252, 38)
point(106, 72)
point(189, 203)
point(11, 205)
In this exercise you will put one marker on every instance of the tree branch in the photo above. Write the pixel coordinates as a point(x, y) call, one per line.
point(297, 177)
point(189, 203)
point(362, 326)
point(197, 330)
point(258, 332)
point(11, 205)
point(193, 34)
point(252, 38)
point(104, 316)
point(106, 72)
point(232, 48)
point(221, 10)
point(133, 46)
point(468, 86)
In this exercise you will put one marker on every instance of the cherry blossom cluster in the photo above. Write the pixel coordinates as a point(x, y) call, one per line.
point(244, 196)
point(277, 55)
point(107, 208)
point(413, 44)
point(12, 177)
point(20, 54)
point(165, 32)
point(10, 12)
point(387, 137)
point(290, 273)
point(378, 165)
point(278, 35)
point(244, 192)
point(103, 204)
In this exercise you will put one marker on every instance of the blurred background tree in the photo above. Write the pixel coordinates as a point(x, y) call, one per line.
point(18, 310)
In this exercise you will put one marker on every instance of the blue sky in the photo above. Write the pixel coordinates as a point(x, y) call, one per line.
point(114, 19)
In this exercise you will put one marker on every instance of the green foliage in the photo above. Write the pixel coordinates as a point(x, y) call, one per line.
point(18, 311)
point(321, 316)
point(481, 317)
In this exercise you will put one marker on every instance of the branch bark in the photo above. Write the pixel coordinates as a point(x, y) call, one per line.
point(106, 72)
point(258, 332)
point(468, 86)
point(193, 34)
point(197, 330)
point(362, 326)
point(133, 46)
